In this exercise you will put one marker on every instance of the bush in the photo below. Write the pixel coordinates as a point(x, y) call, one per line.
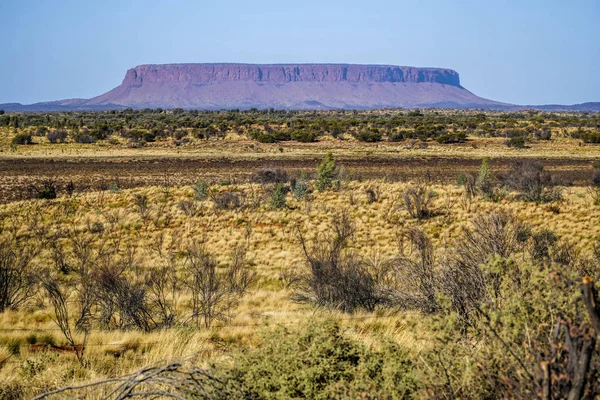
point(516, 142)
point(335, 277)
point(370, 135)
point(591, 137)
point(278, 197)
point(418, 201)
point(541, 244)
point(85, 139)
point(47, 190)
point(326, 173)
point(268, 175)
point(419, 280)
point(269, 137)
point(58, 136)
point(226, 200)
point(322, 362)
point(464, 280)
point(529, 178)
point(304, 136)
point(189, 208)
point(484, 182)
point(300, 189)
point(180, 134)
point(200, 191)
point(22, 138)
point(459, 137)
point(17, 275)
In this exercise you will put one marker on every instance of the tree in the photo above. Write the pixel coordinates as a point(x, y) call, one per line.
point(326, 173)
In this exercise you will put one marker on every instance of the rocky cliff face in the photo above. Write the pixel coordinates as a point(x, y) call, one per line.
point(206, 73)
point(289, 86)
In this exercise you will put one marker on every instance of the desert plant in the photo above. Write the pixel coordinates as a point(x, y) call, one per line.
point(59, 300)
point(47, 189)
point(300, 189)
point(189, 208)
point(17, 275)
point(418, 200)
point(484, 182)
point(326, 172)
point(57, 136)
point(321, 361)
point(370, 135)
point(335, 277)
point(200, 191)
point(22, 138)
point(227, 200)
point(214, 291)
point(465, 279)
point(278, 197)
point(529, 178)
point(140, 202)
point(269, 175)
point(164, 286)
point(594, 187)
point(415, 270)
point(541, 244)
point(122, 302)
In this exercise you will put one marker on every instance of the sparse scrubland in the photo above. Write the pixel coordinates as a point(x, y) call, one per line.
point(313, 282)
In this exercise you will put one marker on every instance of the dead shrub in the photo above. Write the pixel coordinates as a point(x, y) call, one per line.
point(463, 279)
point(17, 274)
point(189, 208)
point(415, 272)
point(529, 178)
point(123, 303)
point(418, 201)
point(269, 175)
point(226, 200)
point(215, 291)
point(334, 276)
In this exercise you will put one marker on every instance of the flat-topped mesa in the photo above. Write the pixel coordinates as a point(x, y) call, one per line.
point(283, 73)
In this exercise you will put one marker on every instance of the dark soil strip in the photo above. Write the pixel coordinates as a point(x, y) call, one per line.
point(17, 176)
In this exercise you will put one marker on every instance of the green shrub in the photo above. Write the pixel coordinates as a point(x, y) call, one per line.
point(22, 138)
point(269, 137)
point(591, 137)
point(149, 137)
point(278, 197)
point(200, 191)
point(516, 142)
point(47, 190)
point(459, 137)
point(370, 135)
point(321, 362)
point(304, 136)
point(300, 189)
point(326, 173)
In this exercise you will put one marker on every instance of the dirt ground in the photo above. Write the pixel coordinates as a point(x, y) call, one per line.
point(18, 175)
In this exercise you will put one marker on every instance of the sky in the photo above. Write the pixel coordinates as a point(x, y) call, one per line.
point(515, 51)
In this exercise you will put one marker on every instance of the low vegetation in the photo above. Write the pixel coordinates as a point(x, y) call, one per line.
point(296, 284)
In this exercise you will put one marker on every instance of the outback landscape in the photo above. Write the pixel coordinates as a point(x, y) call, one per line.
point(267, 253)
point(307, 200)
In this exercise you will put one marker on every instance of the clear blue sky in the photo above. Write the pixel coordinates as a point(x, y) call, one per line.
point(517, 51)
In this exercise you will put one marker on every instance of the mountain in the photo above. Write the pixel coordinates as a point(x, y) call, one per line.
point(289, 86)
point(286, 86)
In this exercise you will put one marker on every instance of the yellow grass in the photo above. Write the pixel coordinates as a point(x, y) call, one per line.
point(273, 250)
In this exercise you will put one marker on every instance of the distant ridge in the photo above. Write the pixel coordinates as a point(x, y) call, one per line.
point(286, 86)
